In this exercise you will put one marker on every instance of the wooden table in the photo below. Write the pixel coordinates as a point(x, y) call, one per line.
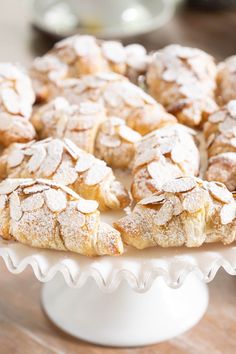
point(24, 329)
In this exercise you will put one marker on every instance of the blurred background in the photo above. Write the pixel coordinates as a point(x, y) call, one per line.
point(28, 29)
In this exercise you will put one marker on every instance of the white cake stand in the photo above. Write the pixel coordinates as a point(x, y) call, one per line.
point(140, 298)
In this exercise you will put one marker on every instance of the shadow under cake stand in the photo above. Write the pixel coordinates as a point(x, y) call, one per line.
point(140, 298)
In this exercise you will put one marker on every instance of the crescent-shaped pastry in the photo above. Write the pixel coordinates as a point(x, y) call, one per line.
point(164, 154)
point(16, 101)
point(220, 133)
point(63, 162)
point(187, 211)
point(183, 80)
point(44, 214)
point(82, 55)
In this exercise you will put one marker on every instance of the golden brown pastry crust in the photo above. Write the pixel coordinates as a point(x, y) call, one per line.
point(220, 133)
point(62, 162)
point(183, 80)
point(81, 55)
point(16, 100)
point(44, 214)
point(187, 211)
point(164, 154)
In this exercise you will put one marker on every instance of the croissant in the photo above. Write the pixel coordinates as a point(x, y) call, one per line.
point(164, 154)
point(226, 80)
point(16, 100)
point(82, 55)
point(63, 162)
point(183, 80)
point(187, 211)
point(220, 133)
point(44, 214)
point(121, 99)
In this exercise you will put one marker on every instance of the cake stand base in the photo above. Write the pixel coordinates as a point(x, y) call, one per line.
point(124, 317)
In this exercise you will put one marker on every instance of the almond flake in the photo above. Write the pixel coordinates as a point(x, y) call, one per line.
point(154, 199)
point(72, 149)
point(11, 100)
point(38, 156)
point(65, 174)
point(110, 141)
point(164, 214)
point(15, 157)
point(217, 117)
point(5, 121)
point(56, 200)
point(15, 207)
point(194, 200)
point(220, 193)
point(84, 162)
point(33, 202)
point(3, 200)
point(179, 185)
point(87, 206)
point(36, 188)
point(114, 51)
point(96, 174)
point(89, 108)
point(228, 213)
point(53, 159)
point(9, 185)
point(178, 153)
point(231, 106)
point(128, 134)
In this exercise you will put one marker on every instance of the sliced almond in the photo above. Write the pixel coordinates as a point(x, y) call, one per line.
point(114, 51)
point(154, 199)
point(89, 108)
point(164, 214)
point(5, 121)
point(3, 200)
point(84, 162)
point(87, 206)
point(110, 141)
point(56, 200)
point(96, 174)
point(65, 174)
point(36, 188)
point(220, 193)
point(128, 134)
point(194, 200)
point(53, 159)
point(72, 149)
point(11, 101)
point(38, 156)
point(217, 117)
point(9, 185)
point(178, 152)
point(33, 202)
point(15, 157)
point(15, 206)
point(179, 185)
point(231, 106)
point(228, 213)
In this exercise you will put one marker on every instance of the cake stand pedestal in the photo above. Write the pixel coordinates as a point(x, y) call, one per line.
point(141, 298)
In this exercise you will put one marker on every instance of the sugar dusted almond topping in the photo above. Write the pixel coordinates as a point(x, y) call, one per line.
point(228, 213)
point(219, 192)
point(231, 106)
point(114, 51)
point(87, 206)
point(154, 199)
point(84, 162)
point(15, 206)
point(9, 185)
point(194, 200)
point(53, 159)
point(217, 117)
point(5, 121)
point(38, 156)
point(89, 108)
point(147, 156)
point(110, 141)
point(3, 200)
point(35, 188)
point(60, 103)
point(96, 174)
point(178, 152)
point(65, 174)
point(11, 100)
point(72, 149)
point(15, 157)
point(128, 134)
point(179, 185)
point(164, 214)
point(55, 200)
point(33, 202)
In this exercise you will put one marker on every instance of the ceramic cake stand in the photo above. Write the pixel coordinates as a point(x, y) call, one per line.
point(140, 298)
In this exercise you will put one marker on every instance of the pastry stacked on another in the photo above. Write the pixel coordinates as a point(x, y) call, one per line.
point(16, 101)
point(187, 211)
point(164, 154)
point(183, 80)
point(220, 133)
point(226, 80)
point(42, 213)
point(63, 162)
point(81, 55)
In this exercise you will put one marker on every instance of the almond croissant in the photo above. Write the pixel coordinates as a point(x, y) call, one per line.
point(44, 214)
point(63, 162)
point(187, 211)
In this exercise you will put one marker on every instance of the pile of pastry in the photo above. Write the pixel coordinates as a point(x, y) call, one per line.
point(89, 106)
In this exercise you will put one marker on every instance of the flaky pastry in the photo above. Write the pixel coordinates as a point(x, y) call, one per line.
point(164, 154)
point(63, 162)
point(226, 80)
point(187, 211)
point(183, 80)
point(16, 101)
point(44, 214)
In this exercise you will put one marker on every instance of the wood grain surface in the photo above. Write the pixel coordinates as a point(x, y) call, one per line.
point(24, 329)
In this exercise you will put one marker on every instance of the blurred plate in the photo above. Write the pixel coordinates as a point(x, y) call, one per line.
point(115, 18)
